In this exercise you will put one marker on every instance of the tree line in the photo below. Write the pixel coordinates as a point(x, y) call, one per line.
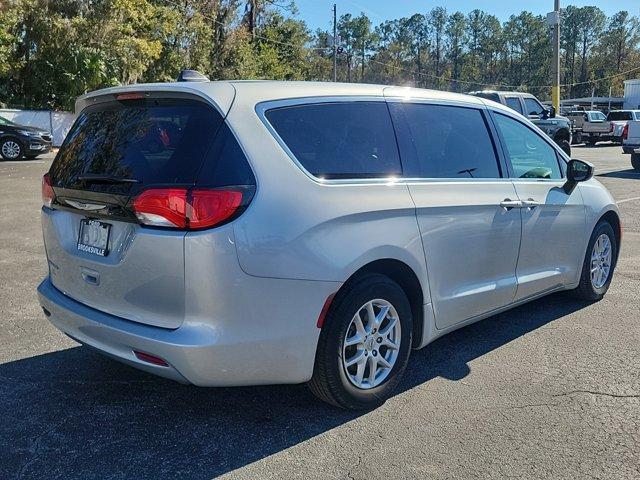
point(53, 51)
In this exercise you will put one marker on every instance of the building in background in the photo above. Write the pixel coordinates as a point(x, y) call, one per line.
point(632, 94)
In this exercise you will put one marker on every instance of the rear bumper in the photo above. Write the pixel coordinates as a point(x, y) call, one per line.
point(199, 353)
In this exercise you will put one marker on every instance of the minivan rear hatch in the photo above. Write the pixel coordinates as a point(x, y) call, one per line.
point(98, 252)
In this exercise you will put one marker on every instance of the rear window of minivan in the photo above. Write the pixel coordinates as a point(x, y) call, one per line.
point(149, 141)
point(339, 140)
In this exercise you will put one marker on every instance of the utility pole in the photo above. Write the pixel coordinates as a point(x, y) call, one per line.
point(555, 65)
point(335, 45)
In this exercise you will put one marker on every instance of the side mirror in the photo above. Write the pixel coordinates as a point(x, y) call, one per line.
point(577, 171)
point(552, 112)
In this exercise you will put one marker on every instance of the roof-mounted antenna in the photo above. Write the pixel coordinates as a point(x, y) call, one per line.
point(191, 76)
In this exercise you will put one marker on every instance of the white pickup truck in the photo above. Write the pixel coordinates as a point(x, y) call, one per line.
point(631, 142)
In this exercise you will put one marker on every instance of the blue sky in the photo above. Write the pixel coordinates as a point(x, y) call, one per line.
point(317, 13)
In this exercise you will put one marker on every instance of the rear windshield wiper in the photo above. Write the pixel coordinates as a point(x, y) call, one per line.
point(100, 178)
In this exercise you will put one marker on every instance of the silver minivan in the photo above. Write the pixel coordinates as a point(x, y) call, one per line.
point(251, 232)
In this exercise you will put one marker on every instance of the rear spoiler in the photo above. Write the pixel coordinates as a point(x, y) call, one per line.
point(218, 94)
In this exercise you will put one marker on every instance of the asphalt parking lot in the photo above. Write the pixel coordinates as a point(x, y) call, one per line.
point(548, 390)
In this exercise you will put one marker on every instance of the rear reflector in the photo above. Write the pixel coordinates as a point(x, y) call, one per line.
point(145, 357)
point(48, 196)
point(325, 310)
point(186, 208)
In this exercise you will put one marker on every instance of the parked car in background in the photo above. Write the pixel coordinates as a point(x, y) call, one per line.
point(590, 127)
point(618, 119)
point(18, 141)
point(557, 127)
point(289, 232)
point(631, 142)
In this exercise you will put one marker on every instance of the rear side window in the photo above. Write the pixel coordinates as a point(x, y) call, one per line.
point(339, 140)
point(150, 141)
point(514, 104)
point(613, 116)
point(439, 141)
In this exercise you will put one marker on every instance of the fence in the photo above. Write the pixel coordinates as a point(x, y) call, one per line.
point(58, 123)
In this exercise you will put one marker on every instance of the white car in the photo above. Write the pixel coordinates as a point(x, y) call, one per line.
point(252, 232)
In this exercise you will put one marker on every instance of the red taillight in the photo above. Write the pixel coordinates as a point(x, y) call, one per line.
point(625, 132)
point(207, 208)
point(48, 196)
point(162, 207)
point(184, 208)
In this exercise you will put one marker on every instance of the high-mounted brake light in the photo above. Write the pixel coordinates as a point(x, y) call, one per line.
point(184, 208)
point(130, 96)
point(48, 195)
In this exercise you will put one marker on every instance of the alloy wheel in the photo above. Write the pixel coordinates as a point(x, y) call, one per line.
point(601, 256)
point(371, 344)
point(10, 149)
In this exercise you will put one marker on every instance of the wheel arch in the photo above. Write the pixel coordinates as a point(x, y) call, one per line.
point(562, 134)
point(403, 275)
point(613, 218)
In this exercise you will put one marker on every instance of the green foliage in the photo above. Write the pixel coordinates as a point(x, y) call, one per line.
point(53, 51)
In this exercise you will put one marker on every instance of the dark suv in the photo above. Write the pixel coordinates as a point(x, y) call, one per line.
point(17, 141)
point(558, 128)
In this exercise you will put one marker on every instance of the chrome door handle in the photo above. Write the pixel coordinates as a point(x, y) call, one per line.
point(508, 204)
point(530, 203)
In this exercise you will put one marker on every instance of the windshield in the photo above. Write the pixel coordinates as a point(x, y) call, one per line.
point(4, 121)
point(154, 141)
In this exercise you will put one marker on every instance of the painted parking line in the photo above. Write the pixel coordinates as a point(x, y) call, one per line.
point(21, 162)
point(625, 200)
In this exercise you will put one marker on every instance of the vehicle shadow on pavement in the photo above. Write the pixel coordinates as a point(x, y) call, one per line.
point(628, 174)
point(77, 414)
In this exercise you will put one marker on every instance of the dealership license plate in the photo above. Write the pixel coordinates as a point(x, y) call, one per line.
point(94, 237)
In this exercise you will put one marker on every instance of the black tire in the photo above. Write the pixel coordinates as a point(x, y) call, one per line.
point(330, 382)
point(577, 138)
point(591, 141)
point(635, 161)
point(11, 140)
point(565, 146)
point(586, 290)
